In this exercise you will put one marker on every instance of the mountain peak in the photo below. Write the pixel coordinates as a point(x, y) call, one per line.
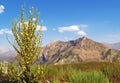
point(81, 49)
point(84, 38)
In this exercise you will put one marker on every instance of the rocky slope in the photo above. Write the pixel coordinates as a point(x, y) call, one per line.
point(82, 49)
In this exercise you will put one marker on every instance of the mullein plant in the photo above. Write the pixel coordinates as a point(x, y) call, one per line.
point(28, 45)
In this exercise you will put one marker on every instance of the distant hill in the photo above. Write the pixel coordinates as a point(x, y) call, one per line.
point(8, 56)
point(115, 46)
point(81, 49)
point(3, 49)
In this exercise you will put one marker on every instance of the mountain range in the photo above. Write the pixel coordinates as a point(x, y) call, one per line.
point(73, 51)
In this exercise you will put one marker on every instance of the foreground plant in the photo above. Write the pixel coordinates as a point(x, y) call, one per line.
point(27, 46)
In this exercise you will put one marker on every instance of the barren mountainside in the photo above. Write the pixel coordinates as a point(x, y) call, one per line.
point(81, 49)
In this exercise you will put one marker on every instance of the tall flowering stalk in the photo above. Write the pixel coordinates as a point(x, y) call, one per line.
point(27, 42)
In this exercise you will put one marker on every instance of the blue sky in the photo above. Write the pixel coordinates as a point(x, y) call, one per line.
point(66, 19)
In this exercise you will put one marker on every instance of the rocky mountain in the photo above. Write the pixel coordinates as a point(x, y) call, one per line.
point(81, 49)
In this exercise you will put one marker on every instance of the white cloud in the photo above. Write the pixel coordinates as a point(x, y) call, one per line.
point(82, 33)
point(44, 28)
point(2, 9)
point(5, 31)
point(69, 28)
point(74, 28)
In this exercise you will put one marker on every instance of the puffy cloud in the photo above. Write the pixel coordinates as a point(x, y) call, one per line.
point(69, 28)
point(5, 31)
point(74, 28)
point(2, 9)
point(82, 33)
